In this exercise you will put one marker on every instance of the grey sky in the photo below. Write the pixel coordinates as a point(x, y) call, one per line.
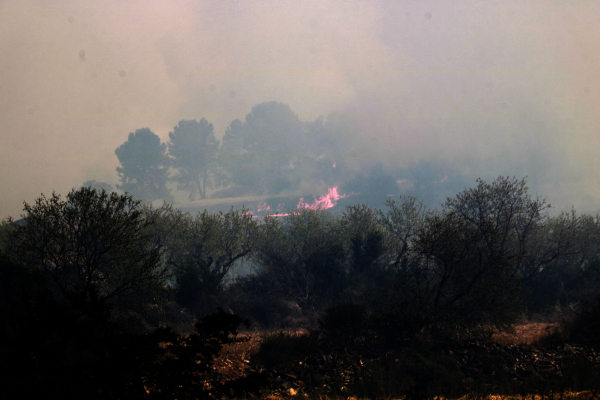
point(493, 87)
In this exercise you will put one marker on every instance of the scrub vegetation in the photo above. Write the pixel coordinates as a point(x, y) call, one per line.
point(104, 297)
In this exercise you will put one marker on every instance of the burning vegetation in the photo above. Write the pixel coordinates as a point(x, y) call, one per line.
point(271, 159)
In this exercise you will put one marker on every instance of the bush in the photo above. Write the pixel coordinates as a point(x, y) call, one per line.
point(413, 373)
point(582, 328)
point(92, 239)
point(281, 349)
point(70, 348)
point(343, 325)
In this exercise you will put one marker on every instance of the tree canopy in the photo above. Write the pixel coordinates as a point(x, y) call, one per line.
point(144, 166)
point(258, 153)
point(193, 150)
point(91, 241)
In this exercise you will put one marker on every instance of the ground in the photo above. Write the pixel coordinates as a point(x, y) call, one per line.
point(236, 361)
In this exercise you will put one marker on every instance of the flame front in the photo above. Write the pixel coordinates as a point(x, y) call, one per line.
point(321, 203)
point(324, 202)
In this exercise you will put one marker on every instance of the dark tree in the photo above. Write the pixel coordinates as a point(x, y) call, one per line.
point(259, 153)
point(91, 241)
point(467, 275)
point(302, 258)
point(193, 149)
point(144, 166)
point(209, 248)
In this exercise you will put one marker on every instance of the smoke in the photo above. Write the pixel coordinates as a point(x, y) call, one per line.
point(487, 88)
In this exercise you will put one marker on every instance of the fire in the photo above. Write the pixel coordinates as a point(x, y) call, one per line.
point(264, 207)
point(324, 202)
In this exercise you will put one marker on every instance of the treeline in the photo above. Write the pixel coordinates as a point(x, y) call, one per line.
point(487, 256)
point(270, 152)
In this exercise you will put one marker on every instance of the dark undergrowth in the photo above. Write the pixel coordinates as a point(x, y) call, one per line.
point(335, 361)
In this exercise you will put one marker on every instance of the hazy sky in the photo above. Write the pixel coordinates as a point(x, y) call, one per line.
point(493, 87)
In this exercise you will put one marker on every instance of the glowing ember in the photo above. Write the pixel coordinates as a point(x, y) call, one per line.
point(324, 202)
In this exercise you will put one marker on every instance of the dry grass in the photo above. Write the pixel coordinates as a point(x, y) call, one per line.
point(234, 363)
point(563, 396)
point(529, 333)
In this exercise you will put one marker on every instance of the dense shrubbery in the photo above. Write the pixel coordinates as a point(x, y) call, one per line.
point(73, 271)
point(68, 268)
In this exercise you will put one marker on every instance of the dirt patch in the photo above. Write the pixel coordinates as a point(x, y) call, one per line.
point(234, 361)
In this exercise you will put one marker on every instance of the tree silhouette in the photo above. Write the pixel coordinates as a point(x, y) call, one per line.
point(259, 153)
point(144, 166)
point(91, 240)
point(193, 149)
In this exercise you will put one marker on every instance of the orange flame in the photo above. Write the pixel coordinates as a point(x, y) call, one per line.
point(324, 202)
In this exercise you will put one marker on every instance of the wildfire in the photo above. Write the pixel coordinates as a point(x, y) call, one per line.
point(324, 202)
point(263, 207)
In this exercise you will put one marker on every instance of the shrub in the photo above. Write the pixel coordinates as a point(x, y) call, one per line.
point(344, 324)
point(70, 348)
point(582, 328)
point(283, 348)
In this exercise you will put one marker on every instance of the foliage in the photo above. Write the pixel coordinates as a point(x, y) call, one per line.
point(144, 166)
point(343, 325)
point(91, 240)
point(364, 235)
point(582, 328)
point(458, 268)
point(302, 259)
point(404, 219)
point(554, 239)
point(272, 150)
point(257, 153)
point(6, 227)
point(71, 349)
point(279, 349)
point(253, 297)
point(473, 249)
point(193, 149)
point(567, 252)
point(210, 247)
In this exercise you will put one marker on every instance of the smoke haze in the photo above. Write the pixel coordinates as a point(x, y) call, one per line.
point(489, 88)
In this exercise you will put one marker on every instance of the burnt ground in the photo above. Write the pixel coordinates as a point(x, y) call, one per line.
point(511, 364)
